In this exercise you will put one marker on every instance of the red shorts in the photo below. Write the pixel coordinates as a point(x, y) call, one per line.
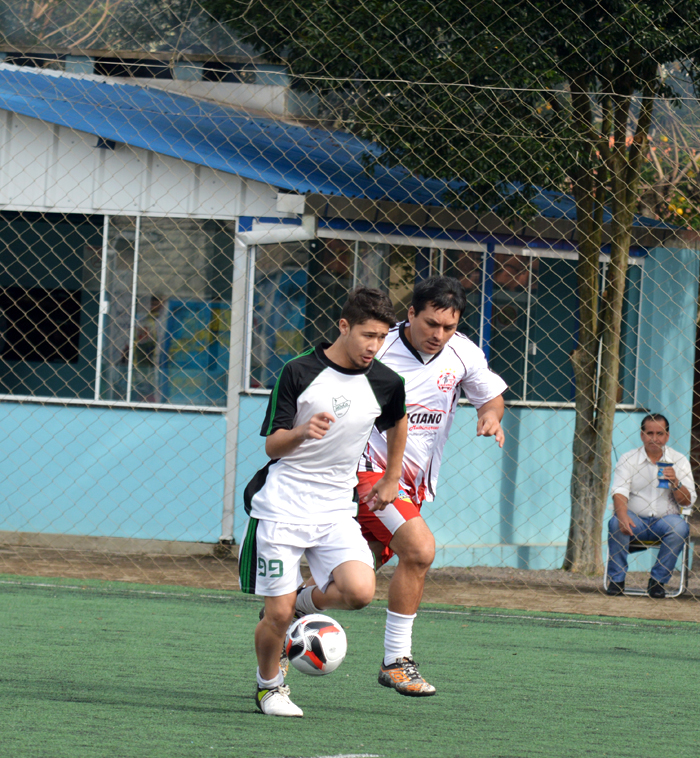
point(380, 526)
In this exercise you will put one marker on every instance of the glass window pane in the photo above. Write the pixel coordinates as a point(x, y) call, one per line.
point(553, 331)
point(402, 278)
point(180, 316)
point(300, 289)
point(373, 264)
point(511, 278)
point(630, 335)
point(49, 291)
point(466, 266)
point(330, 265)
point(183, 312)
point(121, 241)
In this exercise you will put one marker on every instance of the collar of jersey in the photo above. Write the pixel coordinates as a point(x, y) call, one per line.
point(320, 354)
point(412, 350)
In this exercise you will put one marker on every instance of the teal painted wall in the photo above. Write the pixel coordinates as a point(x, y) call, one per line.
point(495, 507)
point(111, 472)
point(667, 338)
point(159, 474)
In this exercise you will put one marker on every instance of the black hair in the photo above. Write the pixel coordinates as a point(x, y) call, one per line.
point(655, 417)
point(365, 303)
point(442, 292)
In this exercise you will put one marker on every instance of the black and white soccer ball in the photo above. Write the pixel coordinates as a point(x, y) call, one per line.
point(316, 644)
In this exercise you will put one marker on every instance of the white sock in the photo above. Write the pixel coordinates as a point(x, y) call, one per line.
point(305, 604)
point(267, 684)
point(397, 637)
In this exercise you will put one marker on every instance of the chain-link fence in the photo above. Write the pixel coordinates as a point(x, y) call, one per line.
point(188, 193)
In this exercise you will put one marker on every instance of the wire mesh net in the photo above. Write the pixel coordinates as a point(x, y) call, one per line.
point(190, 191)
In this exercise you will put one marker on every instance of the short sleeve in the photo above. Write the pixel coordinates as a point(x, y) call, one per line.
point(394, 408)
point(480, 384)
point(622, 478)
point(282, 406)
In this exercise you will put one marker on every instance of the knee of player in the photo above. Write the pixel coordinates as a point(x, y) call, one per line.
point(420, 555)
point(359, 597)
point(279, 619)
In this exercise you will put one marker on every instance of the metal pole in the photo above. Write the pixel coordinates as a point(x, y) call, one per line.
point(132, 321)
point(103, 307)
point(237, 360)
point(527, 328)
point(487, 299)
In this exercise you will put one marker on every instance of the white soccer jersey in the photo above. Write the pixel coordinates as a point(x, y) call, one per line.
point(432, 392)
point(314, 483)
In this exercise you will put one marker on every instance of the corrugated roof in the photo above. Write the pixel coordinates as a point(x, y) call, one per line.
point(296, 158)
point(292, 157)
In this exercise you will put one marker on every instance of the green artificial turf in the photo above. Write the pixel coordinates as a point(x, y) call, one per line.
point(98, 669)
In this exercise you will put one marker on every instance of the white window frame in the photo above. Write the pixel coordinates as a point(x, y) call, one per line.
point(269, 233)
point(103, 308)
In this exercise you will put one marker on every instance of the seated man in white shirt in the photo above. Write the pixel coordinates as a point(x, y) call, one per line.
point(647, 508)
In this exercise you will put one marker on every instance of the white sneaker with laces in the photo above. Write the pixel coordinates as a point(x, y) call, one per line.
point(274, 701)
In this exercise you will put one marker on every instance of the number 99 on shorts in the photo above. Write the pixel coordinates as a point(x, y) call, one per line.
point(272, 569)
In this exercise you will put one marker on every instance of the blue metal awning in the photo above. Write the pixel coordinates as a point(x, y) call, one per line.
point(288, 156)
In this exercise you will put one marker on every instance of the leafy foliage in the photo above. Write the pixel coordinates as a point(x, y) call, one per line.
point(504, 96)
point(149, 25)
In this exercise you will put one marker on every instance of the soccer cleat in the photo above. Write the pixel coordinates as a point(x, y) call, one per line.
point(404, 677)
point(275, 702)
point(284, 663)
point(655, 589)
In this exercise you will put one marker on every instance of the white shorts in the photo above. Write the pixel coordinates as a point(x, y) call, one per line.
point(269, 560)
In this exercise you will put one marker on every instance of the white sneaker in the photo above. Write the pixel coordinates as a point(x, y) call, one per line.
point(275, 702)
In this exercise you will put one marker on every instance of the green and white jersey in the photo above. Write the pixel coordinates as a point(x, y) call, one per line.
point(314, 483)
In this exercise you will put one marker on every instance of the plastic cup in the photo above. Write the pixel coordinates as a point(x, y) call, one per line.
point(664, 484)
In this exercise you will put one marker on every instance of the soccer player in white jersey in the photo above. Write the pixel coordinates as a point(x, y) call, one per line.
point(436, 363)
point(321, 412)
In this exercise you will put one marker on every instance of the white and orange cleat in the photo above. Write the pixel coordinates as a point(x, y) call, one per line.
point(404, 677)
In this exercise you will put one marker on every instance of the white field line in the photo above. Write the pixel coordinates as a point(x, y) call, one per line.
point(593, 622)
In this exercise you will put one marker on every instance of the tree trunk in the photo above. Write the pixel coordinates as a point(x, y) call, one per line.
point(582, 548)
point(595, 409)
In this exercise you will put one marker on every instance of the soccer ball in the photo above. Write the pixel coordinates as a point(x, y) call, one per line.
point(316, 644)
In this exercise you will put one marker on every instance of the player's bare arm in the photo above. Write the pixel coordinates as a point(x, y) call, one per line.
point(489, 420)
point(285, 441)
point(386, 490)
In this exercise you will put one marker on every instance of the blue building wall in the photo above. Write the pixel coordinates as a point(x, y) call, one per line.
point(495, 507)
point(111, 472)
point(667, 338)
point(159, 474)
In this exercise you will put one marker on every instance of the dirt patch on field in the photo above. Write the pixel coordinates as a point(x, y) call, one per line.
point(556, 591)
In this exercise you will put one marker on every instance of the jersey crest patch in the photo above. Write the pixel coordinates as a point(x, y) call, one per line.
point(341, 405)
point(447, 380)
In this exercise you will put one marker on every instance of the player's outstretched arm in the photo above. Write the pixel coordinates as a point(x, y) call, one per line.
point(489, 420)
point(386, 490)
point(285, 441)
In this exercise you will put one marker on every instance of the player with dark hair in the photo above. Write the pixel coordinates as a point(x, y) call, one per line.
point(437, 363)
point(319, 417)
